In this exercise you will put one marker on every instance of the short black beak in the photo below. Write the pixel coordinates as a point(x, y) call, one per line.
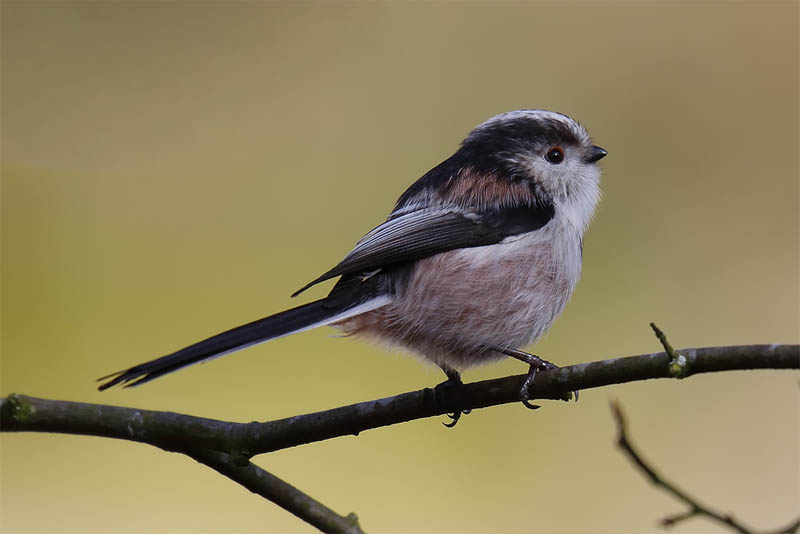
point(596, 153)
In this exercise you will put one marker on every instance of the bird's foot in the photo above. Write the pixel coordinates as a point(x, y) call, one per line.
point(453, 381)
point(536, 364)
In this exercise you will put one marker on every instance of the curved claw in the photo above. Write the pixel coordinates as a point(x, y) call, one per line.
point(527, 404)
point(576, 393)
point(523, 392)
point(453, 381)
point(456, 416)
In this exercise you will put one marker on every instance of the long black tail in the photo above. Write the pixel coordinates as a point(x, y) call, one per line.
point(301, 318)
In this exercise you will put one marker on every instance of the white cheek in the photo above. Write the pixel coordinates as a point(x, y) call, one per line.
point(554, 177)
point(573, 185)
point(583, 194)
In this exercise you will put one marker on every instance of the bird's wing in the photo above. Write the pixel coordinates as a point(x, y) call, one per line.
point(426, 232)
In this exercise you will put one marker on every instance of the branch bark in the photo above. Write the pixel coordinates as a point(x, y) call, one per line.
point(228, 446)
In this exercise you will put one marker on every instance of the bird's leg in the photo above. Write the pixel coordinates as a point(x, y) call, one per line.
point(453, 380)
point(536, 364)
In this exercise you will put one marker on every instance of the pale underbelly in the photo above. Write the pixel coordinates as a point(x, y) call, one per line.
point(457, 307)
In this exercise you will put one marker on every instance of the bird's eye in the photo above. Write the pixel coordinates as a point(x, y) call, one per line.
point(555, 155)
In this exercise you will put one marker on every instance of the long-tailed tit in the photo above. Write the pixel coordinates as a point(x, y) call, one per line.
point(476, 260)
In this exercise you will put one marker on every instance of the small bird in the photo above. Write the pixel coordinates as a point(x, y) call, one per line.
point(476, 260)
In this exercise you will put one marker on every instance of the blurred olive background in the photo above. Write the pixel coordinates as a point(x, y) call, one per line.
point(174, 169)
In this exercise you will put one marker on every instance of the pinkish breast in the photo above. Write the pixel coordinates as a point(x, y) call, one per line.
point(456, 306)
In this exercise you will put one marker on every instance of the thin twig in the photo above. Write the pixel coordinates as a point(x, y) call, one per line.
point(678, 364)
point(662, 337)
point(696, 508)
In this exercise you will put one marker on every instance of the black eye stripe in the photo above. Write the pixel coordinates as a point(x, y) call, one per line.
point(554, 155)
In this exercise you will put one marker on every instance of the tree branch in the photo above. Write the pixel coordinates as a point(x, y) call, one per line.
point(174, 432)
point(278, 491)
point(228, 446)
point(695, 507)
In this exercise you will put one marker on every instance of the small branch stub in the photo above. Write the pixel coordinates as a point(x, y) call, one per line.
point(678, 363)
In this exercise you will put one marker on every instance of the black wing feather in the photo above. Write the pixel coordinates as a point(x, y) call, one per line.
point(423, 233)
